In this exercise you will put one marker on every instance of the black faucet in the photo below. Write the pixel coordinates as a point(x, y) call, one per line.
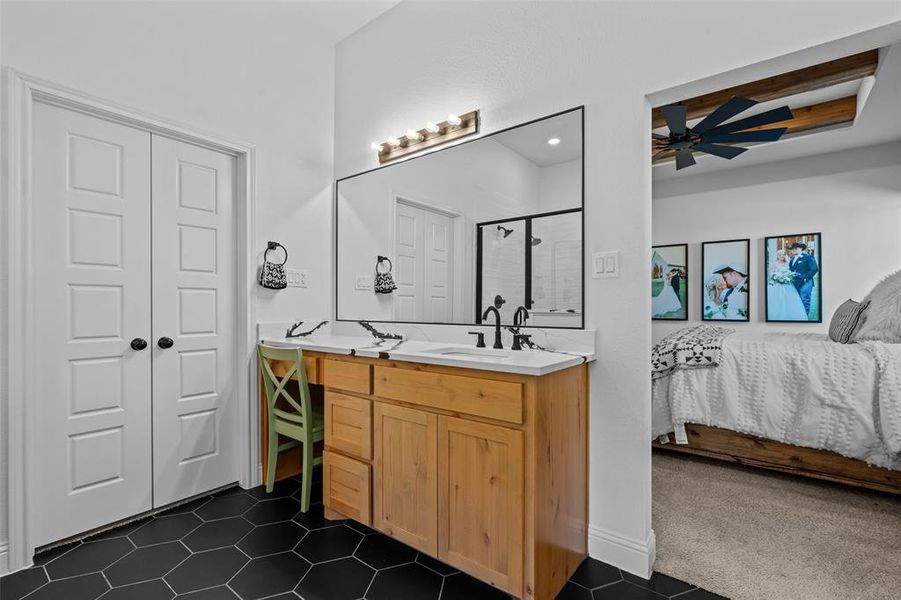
point(497, 326)
point(520, 316)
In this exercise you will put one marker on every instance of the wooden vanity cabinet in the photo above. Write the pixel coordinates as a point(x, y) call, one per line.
point(484, 471)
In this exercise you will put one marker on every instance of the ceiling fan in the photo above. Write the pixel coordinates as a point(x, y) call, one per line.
point(713, 133)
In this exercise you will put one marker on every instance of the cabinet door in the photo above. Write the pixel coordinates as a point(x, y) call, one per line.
point(406, 483)
point(345, 485)
point(480, 503)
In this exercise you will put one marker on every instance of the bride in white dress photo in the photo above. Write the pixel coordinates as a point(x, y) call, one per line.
point(783, 300)
point(667, 300)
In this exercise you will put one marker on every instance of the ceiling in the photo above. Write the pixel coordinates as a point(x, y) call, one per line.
point(878, 121)
point(530, 141)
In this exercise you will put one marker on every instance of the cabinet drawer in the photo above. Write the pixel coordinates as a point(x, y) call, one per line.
point(346, 487)
point(348, 376)
point(310, 364)
point(348, 424)
point(501, 400)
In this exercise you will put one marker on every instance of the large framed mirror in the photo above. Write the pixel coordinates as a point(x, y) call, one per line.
point(491, 222)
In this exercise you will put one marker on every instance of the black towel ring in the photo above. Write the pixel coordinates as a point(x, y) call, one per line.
point(273, 246)
point(379, 262)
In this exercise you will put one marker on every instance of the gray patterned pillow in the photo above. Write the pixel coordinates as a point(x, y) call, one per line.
point(847, 321)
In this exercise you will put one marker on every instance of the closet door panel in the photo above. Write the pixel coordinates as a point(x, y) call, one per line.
point(89, 389)
point(194, 423)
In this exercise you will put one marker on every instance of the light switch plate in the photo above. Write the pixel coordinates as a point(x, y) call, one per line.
point(297, 277)
point(363, 282)
point(605, 264)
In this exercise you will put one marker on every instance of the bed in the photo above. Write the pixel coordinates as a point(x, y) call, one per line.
point(792, 402)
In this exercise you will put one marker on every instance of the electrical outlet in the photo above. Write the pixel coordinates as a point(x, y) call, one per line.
point(297, 277)
point(363, 282)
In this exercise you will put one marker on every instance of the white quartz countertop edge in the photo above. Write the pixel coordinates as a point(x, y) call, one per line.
point(525, 362)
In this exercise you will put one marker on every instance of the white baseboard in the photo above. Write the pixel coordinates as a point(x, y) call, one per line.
point(4, 558)
point(634, 556)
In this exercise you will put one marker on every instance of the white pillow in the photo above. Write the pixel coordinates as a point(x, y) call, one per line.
point(883, 317)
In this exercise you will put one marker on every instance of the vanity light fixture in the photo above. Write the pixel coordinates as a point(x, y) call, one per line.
point(553, 141)
point(433, 134)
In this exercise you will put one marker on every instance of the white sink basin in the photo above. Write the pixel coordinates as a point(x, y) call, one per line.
point(472, 353)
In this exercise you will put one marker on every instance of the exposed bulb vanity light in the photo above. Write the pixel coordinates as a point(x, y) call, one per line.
point(416, 140)
point(553, 141)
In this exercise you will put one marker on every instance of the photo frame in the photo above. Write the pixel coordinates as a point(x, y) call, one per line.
point(793, 278)
point(726, 280)
point(669, 282)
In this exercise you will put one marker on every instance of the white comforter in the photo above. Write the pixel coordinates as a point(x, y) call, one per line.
point(796, 388)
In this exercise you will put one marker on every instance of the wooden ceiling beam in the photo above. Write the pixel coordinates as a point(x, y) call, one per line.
point(833, 72)
point(805, 118)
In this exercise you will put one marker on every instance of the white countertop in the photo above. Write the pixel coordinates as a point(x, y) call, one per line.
point(523, 362)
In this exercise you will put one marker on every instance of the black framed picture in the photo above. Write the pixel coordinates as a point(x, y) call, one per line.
point(725, 280)
point(794, 278)
point(669, 282)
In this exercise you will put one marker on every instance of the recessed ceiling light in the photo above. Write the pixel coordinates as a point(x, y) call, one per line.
point(554, 141)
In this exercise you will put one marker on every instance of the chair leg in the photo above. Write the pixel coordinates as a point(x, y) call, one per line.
point(307, 474)
point(273, 459)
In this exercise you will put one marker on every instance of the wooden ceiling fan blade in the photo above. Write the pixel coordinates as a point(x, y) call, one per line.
point(726, 111)
point(761, 135)
point(675, 116)
point(684, 159)
point(728, 152)
point(783, 113)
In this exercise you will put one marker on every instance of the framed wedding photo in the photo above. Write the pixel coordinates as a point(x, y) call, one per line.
point(794, 278)
point(725, 280)
point(669, 283)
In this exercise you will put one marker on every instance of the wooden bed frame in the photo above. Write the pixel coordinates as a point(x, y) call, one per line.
point(744, 449)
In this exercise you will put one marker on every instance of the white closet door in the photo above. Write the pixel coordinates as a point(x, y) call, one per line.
point(424, 264)
point(91, 393)
point(194, 396)
point(439, 267)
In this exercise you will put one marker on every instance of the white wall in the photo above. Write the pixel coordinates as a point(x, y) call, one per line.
point(519, 61)
point(261, 73)
point(852, 197)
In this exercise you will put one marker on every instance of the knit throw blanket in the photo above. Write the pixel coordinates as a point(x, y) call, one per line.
point(690, 348)
point(887, 403)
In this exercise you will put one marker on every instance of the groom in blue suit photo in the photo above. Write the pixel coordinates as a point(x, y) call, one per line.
point(804, 266)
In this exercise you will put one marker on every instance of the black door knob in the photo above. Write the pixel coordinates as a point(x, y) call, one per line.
point(138, 344)
point(165, 342)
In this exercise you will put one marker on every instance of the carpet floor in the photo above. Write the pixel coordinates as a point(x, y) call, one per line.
point(753, 535)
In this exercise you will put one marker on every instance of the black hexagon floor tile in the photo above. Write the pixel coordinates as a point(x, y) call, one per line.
point(142, 564)
point(206, 569)
point(411, 582)
point(217, 534)
point(315, 518)
point(49, 555)
point(461, 586)
point(593, 573)
point(272, 511)
point(343, 579)
point(660, 583)
point(21, 583)
point(435, 565)
point(90, 557)
point(217, 593)
point(623, 590)
point(573, 591)
point(226, 505)
point(120, 531)
point(165, 529)
point(328, 544)
point(155, 589)
point(365, 530)
point(185, 508)
point(285, 487)
point(269, 575)
point(272, 538)
point(379, 551)
point(83, 587)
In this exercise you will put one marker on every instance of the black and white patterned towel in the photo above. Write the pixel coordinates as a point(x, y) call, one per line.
point(689, 348)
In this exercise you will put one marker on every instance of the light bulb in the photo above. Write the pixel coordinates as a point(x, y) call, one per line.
point(393, 141)
point(376, 146)
point(412, 134)
point(454, 120)
point(553, 141)
point(432, 128)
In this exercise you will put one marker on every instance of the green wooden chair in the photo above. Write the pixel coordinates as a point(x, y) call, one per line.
point(294, 418)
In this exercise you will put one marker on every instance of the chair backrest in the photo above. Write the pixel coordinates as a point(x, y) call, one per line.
point(275, 385)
